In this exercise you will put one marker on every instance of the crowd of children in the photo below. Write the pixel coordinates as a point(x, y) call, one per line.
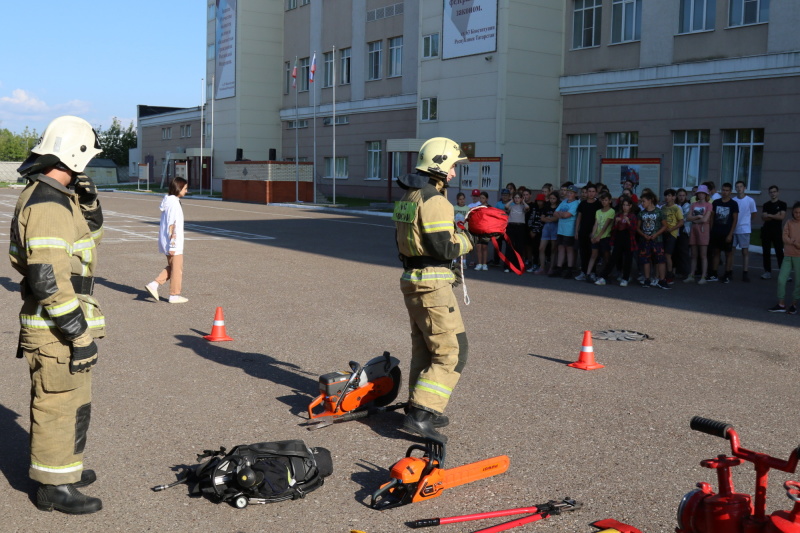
point(589, 235)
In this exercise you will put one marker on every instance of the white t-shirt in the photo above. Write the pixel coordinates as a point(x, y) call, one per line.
point(747, 206)
point(171, 213)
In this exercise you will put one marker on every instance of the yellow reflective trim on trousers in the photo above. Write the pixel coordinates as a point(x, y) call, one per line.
point(74, 467)
point(63, 309)
point(39, 322)
point(434, 388)
point(48, 242)
point(416, 276)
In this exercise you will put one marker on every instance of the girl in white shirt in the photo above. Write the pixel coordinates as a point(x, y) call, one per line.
point(170, 242)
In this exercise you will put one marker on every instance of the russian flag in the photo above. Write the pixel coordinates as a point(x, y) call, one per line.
point(313, 68)
point(294, 75)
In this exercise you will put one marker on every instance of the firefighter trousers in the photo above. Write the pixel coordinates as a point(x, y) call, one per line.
point(60, 414)
point(438, 347)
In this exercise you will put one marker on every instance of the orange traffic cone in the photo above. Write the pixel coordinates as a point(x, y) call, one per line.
point(218, 330)
point(586, 359)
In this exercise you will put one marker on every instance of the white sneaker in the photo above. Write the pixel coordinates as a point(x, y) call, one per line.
point(485, 266)
point(478, 267)
point(600, 281)
point(640, 279)
point(623, 283)
point(701, 281)
point(152, 288)
point(580, 277)
point(506, 270)
point(766, 275)
point(654, 282)
point(177, 299)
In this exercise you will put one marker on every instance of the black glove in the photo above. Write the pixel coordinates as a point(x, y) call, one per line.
point(456, 268)
point(85, 189)
point(84, 354)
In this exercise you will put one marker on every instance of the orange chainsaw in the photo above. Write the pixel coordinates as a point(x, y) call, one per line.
point(416, 479)
point(364, 389)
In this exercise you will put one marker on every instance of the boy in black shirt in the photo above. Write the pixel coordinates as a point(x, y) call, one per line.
point(725, 217)
point(773, 213)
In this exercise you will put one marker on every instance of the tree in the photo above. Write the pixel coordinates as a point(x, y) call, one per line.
point(16, 146)
point(116, 142)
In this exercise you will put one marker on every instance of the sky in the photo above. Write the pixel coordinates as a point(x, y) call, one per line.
point(98, 59)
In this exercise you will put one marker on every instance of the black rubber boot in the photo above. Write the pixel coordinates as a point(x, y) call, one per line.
point(87, 478)
point(67, 499)
point(420, 422)
point(438, 421)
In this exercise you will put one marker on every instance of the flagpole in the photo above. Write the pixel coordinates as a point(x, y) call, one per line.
point(202, 129)
point(333, 123)
point(314, 108)
point(211, 158)
point(296, 130)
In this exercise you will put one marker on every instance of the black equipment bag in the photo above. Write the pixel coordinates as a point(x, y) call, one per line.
point(266, 471)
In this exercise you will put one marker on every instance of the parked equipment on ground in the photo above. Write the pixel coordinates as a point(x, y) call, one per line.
point(537, 512)
point(372, 386)
point(703, 511)
point(416, 479)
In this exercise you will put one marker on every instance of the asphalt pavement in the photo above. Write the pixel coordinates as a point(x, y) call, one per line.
point(304, 291)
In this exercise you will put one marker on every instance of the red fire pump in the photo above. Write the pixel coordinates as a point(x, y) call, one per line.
point(703, 511)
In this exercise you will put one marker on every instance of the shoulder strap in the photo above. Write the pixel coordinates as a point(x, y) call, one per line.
point(516, 270)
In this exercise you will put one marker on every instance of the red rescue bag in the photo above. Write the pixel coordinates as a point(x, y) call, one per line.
point(492, 222)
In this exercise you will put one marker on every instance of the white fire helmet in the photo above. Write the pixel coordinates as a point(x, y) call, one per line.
point(438, 155)
point(72, 140)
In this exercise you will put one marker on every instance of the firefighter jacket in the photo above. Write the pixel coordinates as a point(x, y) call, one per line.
point(427, 237)
point(53, 245)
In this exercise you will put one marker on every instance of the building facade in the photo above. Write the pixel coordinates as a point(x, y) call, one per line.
point(386, 76)
point(708, 87)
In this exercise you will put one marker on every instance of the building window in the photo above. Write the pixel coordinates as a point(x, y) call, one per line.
point(296, 124)
point(430, 46)
point(340, 120)
point(397, 164)
point(291, 4)
point(395, 57)
point(304, 2)
point(166, 133)
point(212, 11)
point(742, 157)
point(626, 21)
point(373, 160)
point(209, 128)
point(748, 12)
point(689, 158)
point(302, 73)
point(341, 168)
point(582, 157)
point(697, 15)
point(374, 60)
point(211, 51)
point(428, 111)
point(586, 23)
point(327, 69)
point(624, 145)
point(186, 131)
point(344, 66)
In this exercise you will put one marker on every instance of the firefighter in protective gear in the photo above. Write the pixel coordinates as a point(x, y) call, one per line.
point(54, 235)
point(428, 242)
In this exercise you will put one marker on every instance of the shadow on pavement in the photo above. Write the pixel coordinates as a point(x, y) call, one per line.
point(554, 359)
point(372, 477)
point(15, 459)
point(258, 365)
point(9, 284)
point(140, 294)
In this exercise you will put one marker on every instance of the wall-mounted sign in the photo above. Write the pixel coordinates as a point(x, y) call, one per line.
point(469, 27)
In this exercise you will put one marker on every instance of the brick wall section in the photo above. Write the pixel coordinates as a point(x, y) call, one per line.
point(265, 182)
